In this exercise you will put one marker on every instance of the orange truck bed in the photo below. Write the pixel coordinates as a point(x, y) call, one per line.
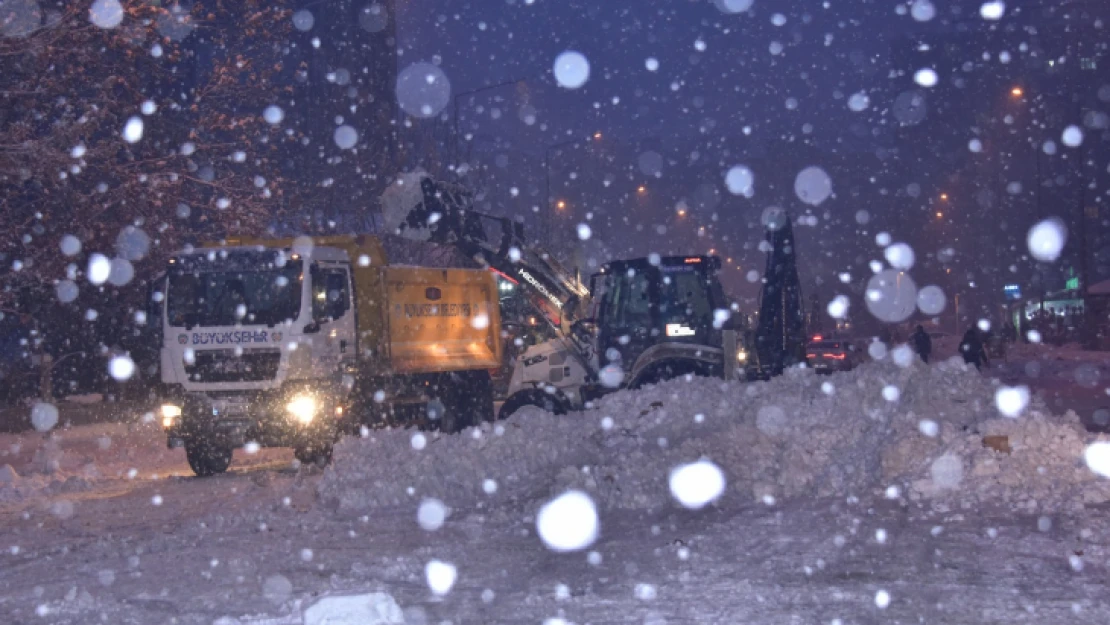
point(415, 319)
point(442, 319)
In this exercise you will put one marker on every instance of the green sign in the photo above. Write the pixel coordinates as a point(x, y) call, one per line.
point(1072, 284)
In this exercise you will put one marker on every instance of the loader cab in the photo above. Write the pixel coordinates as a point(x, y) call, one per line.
point(638, 304)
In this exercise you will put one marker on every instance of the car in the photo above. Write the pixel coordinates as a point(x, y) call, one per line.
point(831, 355)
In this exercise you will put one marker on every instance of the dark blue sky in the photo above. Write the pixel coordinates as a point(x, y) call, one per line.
point(768, 88)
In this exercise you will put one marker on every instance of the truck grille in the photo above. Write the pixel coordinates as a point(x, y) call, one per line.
point(222, 365)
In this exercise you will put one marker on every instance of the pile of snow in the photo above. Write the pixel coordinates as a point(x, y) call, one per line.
point(376, 608)
point(1031, 464)
point(799, 435)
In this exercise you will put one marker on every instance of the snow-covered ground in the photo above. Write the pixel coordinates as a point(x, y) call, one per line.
point(886, 494)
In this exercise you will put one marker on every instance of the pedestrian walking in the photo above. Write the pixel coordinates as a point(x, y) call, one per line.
point(922, 344)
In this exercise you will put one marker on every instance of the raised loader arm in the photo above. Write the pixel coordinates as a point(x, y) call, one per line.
point(443, 215)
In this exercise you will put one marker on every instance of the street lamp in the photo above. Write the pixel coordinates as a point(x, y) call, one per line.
point(1017, 92)
point(561, 204)
point(939, 214)
point(944, 197)
point(641, 189)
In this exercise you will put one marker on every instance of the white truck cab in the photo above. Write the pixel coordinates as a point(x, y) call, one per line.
point(256, 341)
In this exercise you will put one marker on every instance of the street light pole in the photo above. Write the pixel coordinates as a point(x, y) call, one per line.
point(458, 96)
point(548, 204)
point(1086, 319)
point(547, 171)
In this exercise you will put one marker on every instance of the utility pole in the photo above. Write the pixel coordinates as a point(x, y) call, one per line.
point(1086, 320)
point(459, 96)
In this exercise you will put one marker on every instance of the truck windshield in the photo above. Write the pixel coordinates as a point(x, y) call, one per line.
point(227, 298)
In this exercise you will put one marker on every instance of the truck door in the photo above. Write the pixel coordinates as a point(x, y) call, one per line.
point(624, 329)
point(333, 316)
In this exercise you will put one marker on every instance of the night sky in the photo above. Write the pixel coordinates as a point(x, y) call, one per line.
point(768, 88)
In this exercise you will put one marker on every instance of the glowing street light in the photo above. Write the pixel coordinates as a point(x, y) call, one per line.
point(682, 212)
point(561, 204)
point(1017, 92)
point(641, 189)
point(944, 197)
point(597, 135)
point(939, 214)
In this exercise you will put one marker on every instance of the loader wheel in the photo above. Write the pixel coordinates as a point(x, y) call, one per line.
point(534, 397)
point(668, 370)
point(318, 454)
point(207, 458)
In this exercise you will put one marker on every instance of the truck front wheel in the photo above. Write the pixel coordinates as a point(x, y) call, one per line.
point(207, 458)
point(318, 454)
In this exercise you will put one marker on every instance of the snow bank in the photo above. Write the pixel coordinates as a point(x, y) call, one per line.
point(796, 436)
point(376, 608)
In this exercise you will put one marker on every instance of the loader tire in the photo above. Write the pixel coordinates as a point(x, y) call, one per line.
point(550, 402)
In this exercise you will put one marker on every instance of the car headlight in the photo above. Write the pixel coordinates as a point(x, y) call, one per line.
point(303, 408)
point(169, 413)
point(742, 355)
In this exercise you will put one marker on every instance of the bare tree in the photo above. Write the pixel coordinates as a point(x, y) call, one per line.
point(155, 124)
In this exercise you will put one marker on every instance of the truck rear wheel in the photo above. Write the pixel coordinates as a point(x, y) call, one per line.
point(207, 458)
point(467, 398)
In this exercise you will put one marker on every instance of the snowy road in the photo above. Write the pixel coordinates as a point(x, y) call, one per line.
point(259, 545)
point(210, 548)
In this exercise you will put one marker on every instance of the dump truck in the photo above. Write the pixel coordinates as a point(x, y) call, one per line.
point(293, 342)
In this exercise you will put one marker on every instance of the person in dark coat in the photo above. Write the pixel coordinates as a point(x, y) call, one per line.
point(971, 348)
point(922, 344)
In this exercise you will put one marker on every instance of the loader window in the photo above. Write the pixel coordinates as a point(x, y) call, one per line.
point(629, 302)
point(684, 297)
point(330, 293)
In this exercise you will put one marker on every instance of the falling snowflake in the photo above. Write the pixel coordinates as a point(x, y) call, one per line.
point(697, 484)
point(569, 522)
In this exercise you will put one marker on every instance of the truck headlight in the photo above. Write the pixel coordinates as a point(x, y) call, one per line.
point(169, 413)
point(303, 408)
point(742, 355)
